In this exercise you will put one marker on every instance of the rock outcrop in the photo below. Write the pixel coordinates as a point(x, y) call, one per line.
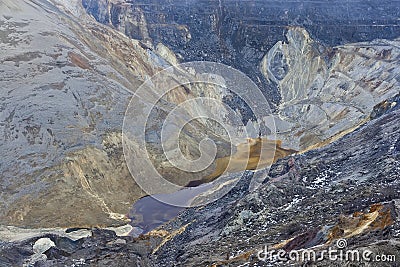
point(327, 91)
point(323, 74)
point(309, 202)
point(67, 81)
point(239, 33)
point(69, 70)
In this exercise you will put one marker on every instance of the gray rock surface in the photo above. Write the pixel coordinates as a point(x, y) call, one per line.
point(62, 103)
point(323, 73)
point(314, 198)
point(330, 70)
point(67, 81)
point(239, 33)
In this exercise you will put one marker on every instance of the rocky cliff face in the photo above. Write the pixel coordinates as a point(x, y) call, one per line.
point(309, 202)
point(323, 71)
point(67, 81)
point(239, 33)
point(328, 69)
point(327, 91)
point(62, 102)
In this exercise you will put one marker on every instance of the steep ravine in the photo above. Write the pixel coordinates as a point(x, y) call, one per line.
point(239, 33)
point(332, 81)
point(321, 75)
point(75, 147)
point(309, 201)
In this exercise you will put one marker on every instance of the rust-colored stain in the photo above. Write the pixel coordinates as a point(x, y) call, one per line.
point(335, 137)
point(300, 241)
point(79, 60)
point(167, 235)
point(376, 218)
point(256, 153)
point(158, 232)
point(384, 219)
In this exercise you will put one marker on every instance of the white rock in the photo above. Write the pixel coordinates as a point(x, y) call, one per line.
point(42, 244)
